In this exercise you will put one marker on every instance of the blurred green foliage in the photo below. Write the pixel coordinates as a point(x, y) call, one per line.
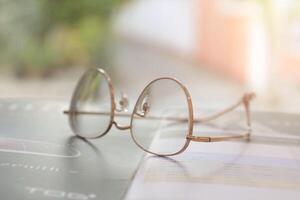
point(39, 36)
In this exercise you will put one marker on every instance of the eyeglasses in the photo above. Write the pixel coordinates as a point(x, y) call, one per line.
point(93, 110)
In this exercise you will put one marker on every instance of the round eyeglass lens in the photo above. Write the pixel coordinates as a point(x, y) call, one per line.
point(161, 118)
point(90, 112)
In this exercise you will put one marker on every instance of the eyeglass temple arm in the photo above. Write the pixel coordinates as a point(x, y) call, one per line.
point(245, 135)
point(244, 100)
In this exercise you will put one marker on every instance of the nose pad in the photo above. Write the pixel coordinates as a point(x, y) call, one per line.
point(143, 109)
point(123, 103)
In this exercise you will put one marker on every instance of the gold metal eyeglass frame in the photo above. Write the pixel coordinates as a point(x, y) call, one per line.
point(245, 100)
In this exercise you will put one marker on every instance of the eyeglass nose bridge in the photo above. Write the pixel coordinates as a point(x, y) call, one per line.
point(121, 106)
point(121, 127)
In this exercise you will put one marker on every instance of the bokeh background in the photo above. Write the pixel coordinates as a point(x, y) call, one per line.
point(218, 48)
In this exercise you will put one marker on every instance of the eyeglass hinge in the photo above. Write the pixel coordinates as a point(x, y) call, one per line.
point(199, 139)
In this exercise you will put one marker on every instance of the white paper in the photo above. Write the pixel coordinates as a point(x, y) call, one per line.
point(266, 167)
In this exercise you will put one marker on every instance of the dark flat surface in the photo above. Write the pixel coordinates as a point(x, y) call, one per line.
point(41, 159)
